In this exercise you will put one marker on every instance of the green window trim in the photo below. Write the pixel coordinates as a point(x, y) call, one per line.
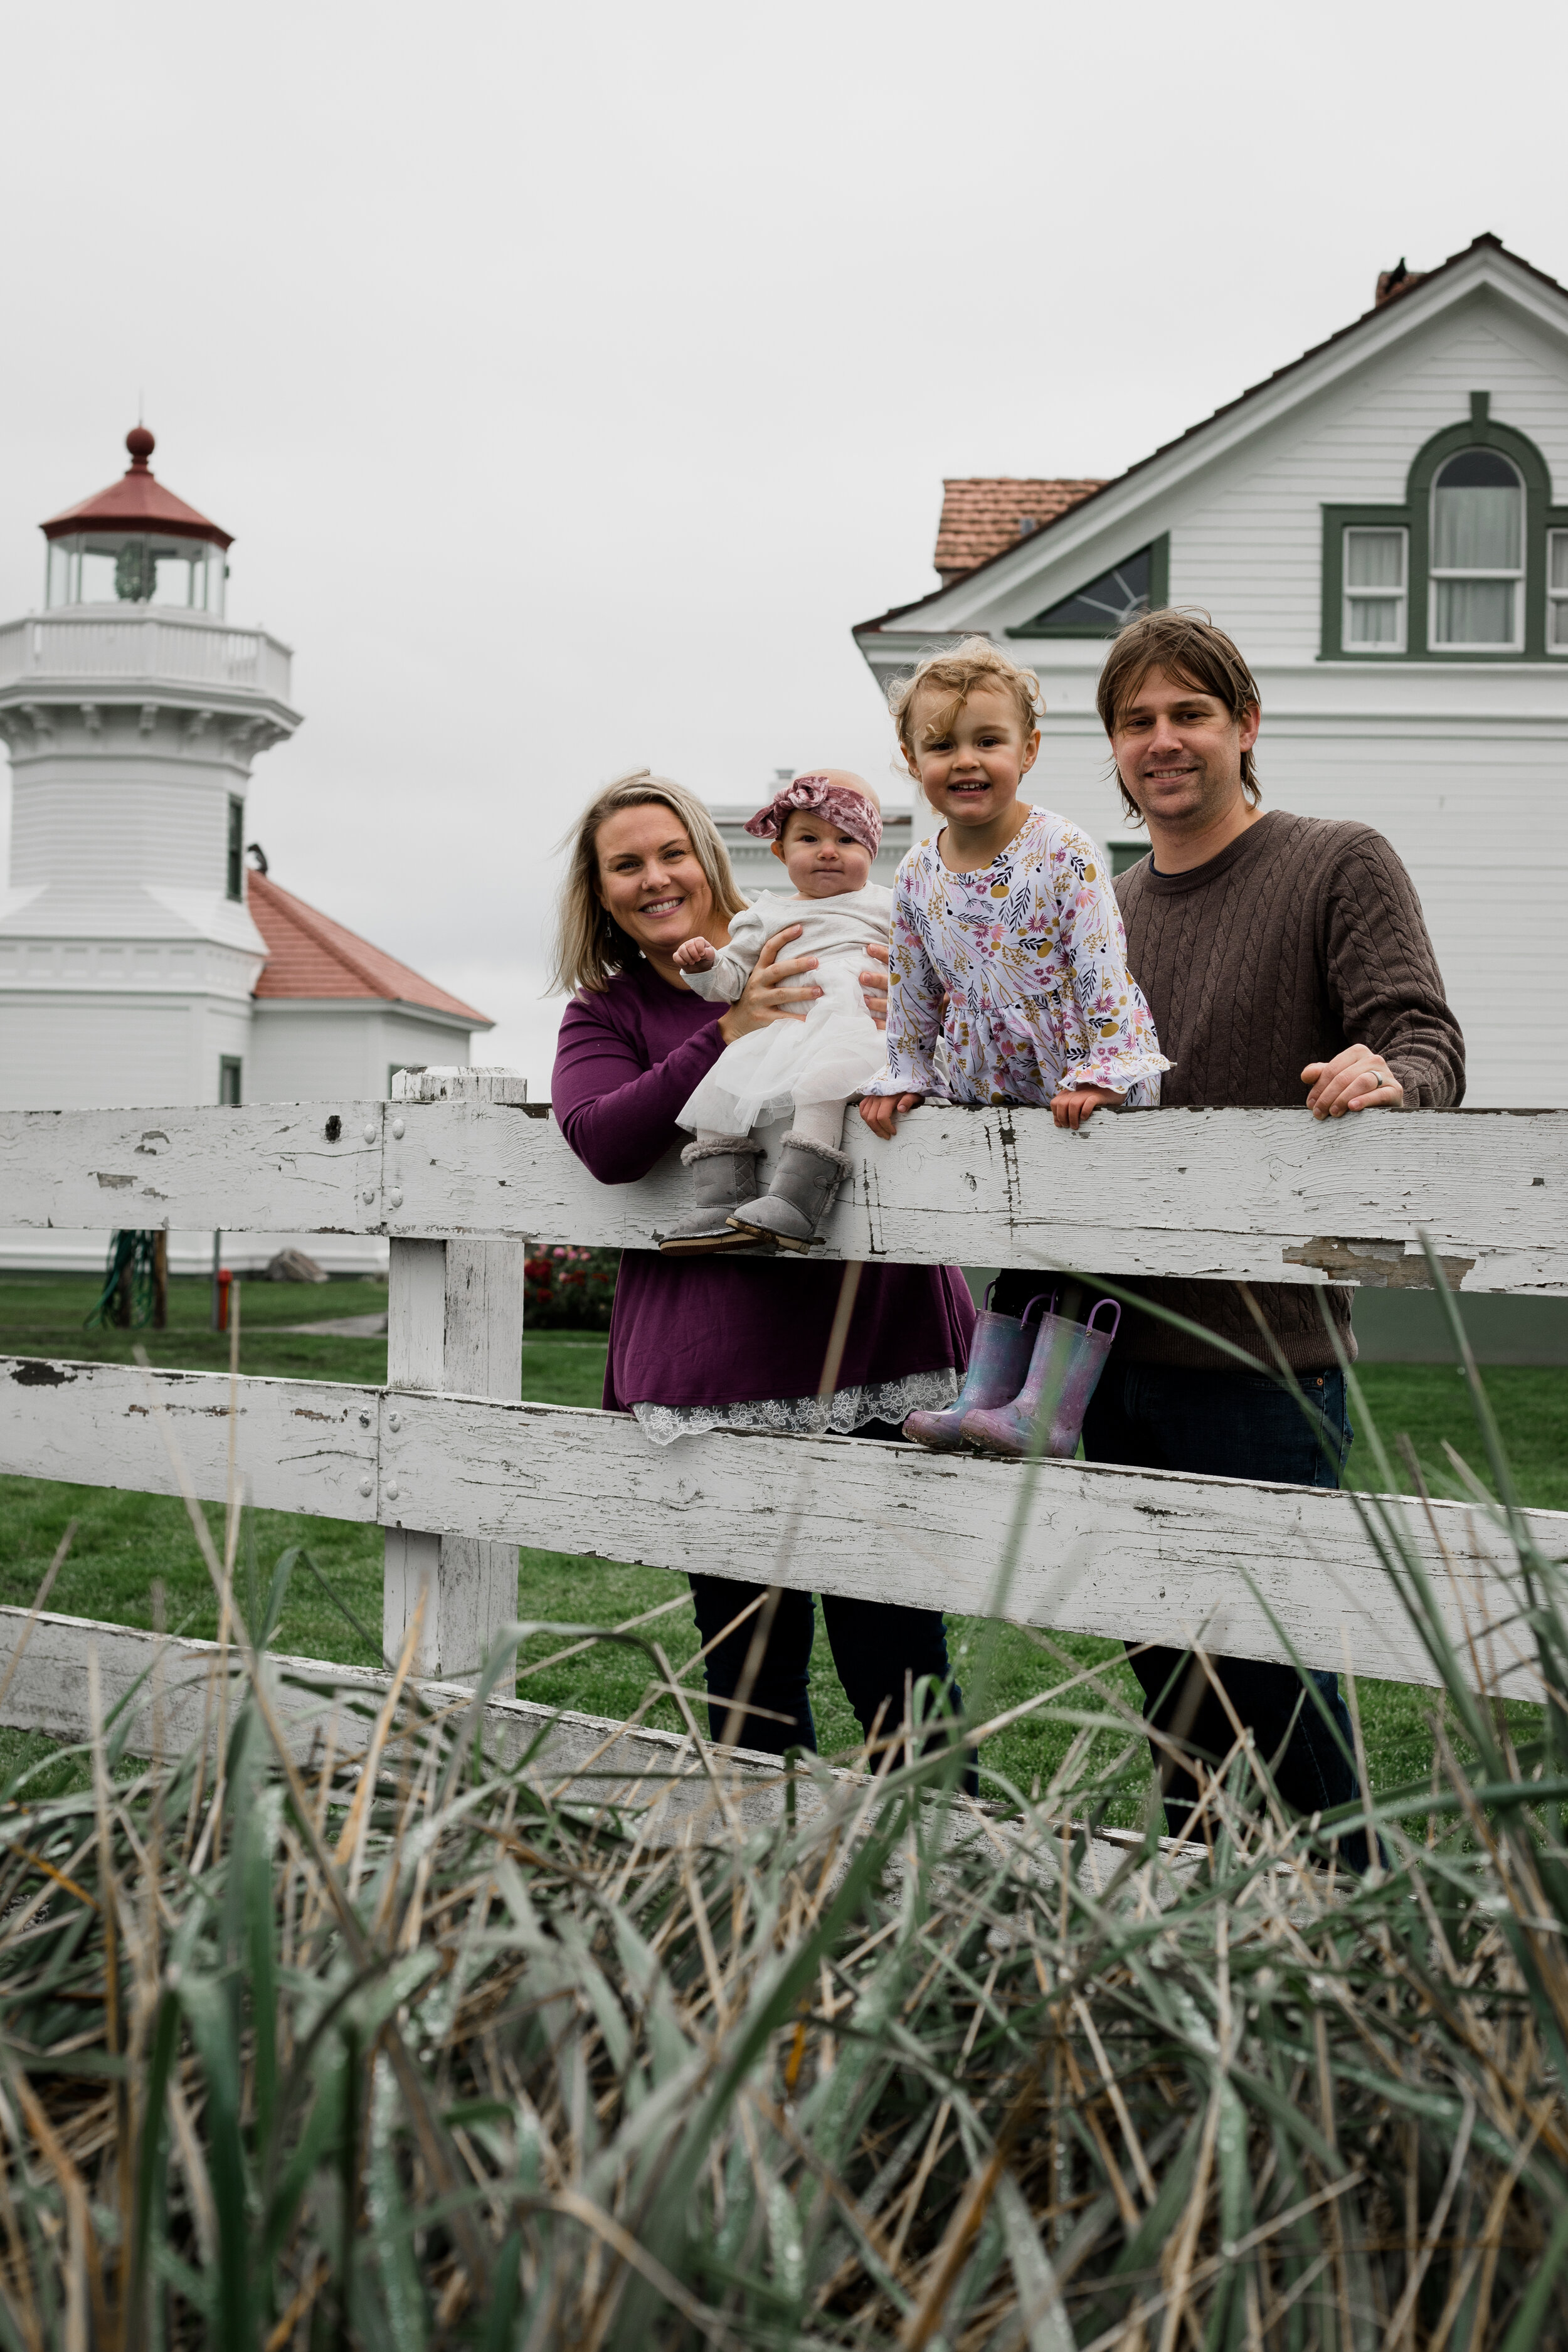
point(1159, 593)
point(235, 874)
point(230, 1079)
point(1480, 431)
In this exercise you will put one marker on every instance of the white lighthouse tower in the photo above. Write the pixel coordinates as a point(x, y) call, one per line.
point(133, 713)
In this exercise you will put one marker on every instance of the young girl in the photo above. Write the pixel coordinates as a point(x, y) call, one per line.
point(1007, 943)
point(826, 829)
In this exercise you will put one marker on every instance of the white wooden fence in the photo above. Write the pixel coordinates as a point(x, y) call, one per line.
point(458, 1469)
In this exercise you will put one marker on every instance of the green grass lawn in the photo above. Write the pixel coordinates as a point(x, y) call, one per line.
point(123, 1542)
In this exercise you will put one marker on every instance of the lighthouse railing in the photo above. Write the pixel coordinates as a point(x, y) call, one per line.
point(152, 641)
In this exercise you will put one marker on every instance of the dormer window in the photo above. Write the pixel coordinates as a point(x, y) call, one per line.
point(1477, 562)
point(1472, 568)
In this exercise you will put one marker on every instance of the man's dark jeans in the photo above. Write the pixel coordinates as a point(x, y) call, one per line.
point(1235, 1424)
point(878, 1647)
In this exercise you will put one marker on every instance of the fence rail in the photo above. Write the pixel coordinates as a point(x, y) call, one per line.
point(458, 1470)
point(1244, 1195)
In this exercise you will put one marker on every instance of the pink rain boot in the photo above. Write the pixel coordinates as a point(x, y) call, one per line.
point(999, 1358)
point(1067, 1361)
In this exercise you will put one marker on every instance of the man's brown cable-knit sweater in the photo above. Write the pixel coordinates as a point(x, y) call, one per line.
point(1303, 937)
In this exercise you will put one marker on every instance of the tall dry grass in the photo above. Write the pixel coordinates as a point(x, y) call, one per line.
point(417, 2048)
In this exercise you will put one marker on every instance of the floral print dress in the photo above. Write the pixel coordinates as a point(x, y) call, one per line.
point(1032, 959)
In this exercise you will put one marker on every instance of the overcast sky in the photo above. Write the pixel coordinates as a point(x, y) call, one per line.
point(573, 378)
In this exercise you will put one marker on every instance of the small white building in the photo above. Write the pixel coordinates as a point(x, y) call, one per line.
point(1382, 527)
point(141, 961)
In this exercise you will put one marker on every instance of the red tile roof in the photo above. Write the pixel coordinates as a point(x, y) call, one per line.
point(137, 498)
point(310, 955)
point(982, 516)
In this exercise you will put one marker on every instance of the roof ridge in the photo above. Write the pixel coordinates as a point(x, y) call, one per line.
point(1487, 241)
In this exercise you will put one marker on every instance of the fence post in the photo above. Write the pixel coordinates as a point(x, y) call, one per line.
point(454, 1325)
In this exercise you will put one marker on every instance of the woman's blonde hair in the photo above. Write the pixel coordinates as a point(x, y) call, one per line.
point(590, 946)
point(954, 676)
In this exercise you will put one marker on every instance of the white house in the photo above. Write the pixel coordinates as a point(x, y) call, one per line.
point(1383, 526)
point(142, 962)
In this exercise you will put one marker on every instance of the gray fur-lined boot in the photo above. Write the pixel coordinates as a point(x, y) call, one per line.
point(789, 1211)
point(724, 1173)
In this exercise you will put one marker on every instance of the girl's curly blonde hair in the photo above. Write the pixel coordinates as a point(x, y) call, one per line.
point(950, 678)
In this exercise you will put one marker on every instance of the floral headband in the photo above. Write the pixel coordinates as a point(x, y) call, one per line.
point(851, 811)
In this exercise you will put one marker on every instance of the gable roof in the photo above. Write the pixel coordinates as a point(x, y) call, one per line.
point(1398, 293)
point(982, 515)
point(309, 955)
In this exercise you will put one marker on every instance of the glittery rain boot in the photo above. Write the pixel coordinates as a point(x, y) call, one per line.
point(1065, 1371)
point(999, 1357)
point(724, 1173)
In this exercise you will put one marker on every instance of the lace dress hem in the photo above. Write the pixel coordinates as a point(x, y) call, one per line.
point(838, 1415)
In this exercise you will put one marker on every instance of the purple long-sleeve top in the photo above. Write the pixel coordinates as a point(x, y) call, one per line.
point(720, 1331)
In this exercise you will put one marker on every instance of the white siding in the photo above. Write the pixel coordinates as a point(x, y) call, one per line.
point(59, 1054)
point(1249, 548)
point(306, 1052)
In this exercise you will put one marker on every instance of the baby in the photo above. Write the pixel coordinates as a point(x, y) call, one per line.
point(826, 828)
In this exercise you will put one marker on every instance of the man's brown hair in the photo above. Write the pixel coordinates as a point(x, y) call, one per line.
point(1187, 646)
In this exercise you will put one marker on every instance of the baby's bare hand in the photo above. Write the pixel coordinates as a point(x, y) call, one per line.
point(694, 955)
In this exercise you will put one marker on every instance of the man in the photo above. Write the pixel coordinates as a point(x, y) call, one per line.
point(1286, 961)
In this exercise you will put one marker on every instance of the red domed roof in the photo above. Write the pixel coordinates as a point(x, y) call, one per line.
point(137, 501)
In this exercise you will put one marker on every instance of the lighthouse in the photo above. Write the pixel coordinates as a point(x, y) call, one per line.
point(146, 960)
point(133, 713)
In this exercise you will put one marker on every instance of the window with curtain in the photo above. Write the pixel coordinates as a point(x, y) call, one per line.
point(1375, 574)
point(1477, 560)
point(1557, 591)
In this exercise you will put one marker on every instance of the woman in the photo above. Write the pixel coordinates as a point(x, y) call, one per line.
point(732, 1342)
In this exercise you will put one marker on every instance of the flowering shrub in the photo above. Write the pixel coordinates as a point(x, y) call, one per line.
point(568, 1289)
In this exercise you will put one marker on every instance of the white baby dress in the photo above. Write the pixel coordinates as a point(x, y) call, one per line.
point(836, 1051)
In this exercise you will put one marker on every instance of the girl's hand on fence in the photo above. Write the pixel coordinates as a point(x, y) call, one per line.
point(773, 990)
point(1357, 1079)
point(874, 986)
point(1074, 1105)
point(882, 1113)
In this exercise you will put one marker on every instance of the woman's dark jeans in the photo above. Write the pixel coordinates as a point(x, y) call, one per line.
point(1235, 1424)
point(880, 1648)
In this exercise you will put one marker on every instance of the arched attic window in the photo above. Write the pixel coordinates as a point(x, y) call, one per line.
point(1477, 562)
point(1473, 567)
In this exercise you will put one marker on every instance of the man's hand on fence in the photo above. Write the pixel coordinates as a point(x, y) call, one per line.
point(882, 1113)
point(1357, 1079)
